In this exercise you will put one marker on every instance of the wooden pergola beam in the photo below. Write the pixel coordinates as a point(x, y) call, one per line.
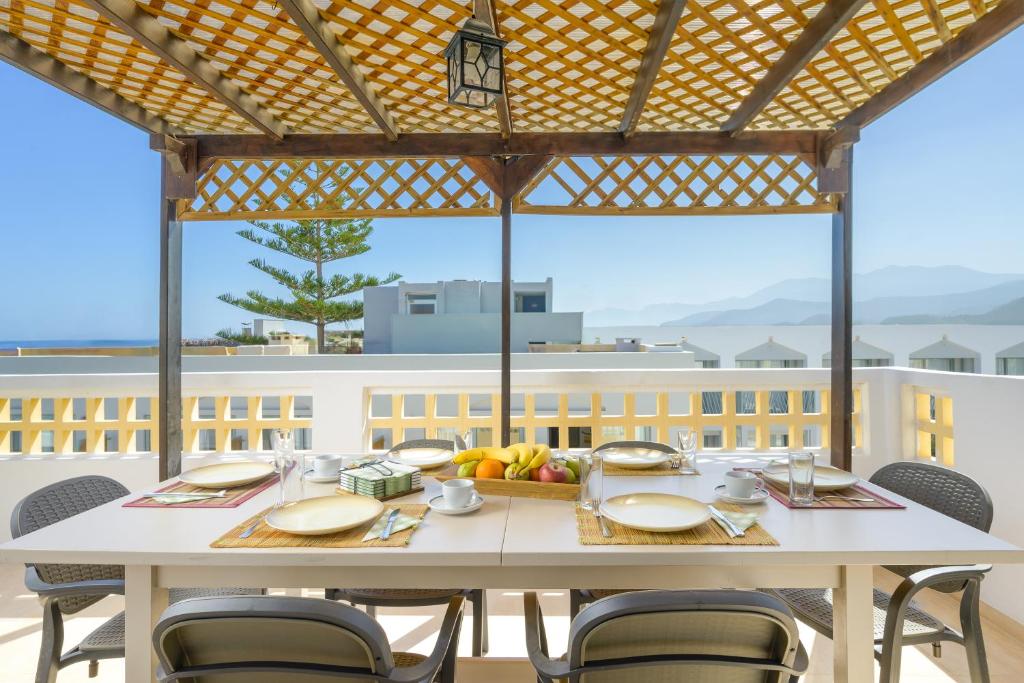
point(831, 19)
point(450, 145)
point(306, 16)
point(148, 31)
point(23, 56)
point(664, 27)
point(485, 11)
point(1000, 21)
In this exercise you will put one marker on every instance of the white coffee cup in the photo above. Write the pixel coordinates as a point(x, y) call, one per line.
point(326, 465)
point(458, 493)
point(742, 484)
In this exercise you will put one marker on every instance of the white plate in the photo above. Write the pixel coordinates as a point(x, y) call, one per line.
point(437, 504)
point(422, 457)
point(324, 515)
point(826, 478)
point(227, 474)
point(760, 495)
point(655, 511)
point(634, 458)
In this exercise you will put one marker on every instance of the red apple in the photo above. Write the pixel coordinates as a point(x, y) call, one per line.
point(535, 474)
point(553, 472)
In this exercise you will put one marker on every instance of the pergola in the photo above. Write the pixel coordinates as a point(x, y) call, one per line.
point(296, 109)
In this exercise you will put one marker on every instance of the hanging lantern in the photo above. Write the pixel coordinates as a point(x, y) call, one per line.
point(476, 65)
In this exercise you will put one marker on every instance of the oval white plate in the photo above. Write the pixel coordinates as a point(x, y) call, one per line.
point(760, 495)
point(227, 474)
point(656, 511)
point(324, 515)
point(422, 457)
point(826, 478)
point(437, 504)
point(634, 458)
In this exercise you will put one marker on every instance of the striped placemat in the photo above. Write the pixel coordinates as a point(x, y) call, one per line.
point(266, 537)
point(232, 499)
point(830, 500)
point(709, 533)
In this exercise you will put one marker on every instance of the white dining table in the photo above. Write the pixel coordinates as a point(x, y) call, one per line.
point(518, 543)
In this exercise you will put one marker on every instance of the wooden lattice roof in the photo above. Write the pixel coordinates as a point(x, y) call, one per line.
point(571, 64)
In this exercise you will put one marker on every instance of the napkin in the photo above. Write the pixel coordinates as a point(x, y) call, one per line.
point(403, 521)
point(743, 520)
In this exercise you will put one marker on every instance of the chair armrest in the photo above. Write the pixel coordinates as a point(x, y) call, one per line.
point(77, 589)
point(445, 639)
point(925, 578)
point(536, 648)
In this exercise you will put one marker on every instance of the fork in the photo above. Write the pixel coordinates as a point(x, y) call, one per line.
point(849, 498)
point(605, 531)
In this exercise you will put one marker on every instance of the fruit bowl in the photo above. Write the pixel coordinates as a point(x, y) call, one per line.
point(521, 470)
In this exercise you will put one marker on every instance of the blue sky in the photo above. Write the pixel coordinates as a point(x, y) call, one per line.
point(936, 182)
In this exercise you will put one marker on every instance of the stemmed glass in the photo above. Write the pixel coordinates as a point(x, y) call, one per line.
point(283, 443)
point(687, 438)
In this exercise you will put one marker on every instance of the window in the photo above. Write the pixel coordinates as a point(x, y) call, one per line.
point(746, 403)
point(16, 442)
point(110, 441)
point(303, 439)
point(711, 404)
point(778, 436)
point(421, 304)
point(270, 407)
point(778, 402)
point(46, 409)
point(110, 409)
point(238, 407)
point(712, 437)
point(302, 408)
point(143, 441)
point(46, 440)
point(746, 436)
point(531, 302)
point(16, 407)
point(79, 441)
point(207, 439)
point(239, 439)
point(143, 408)
point(206, 408)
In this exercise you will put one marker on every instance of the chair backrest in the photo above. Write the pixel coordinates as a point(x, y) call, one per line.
point(952, 493)
point(58, 502)
point(266, 639)
point(720, 636)
point(651, 445)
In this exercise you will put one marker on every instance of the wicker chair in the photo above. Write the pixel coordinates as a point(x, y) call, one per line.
point(69, 588)
point(270, 639)
point(899, 621)
point(371, 598)
point(724, 636)
point(578, 597)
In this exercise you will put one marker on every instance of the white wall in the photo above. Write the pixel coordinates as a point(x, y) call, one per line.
point(480, 333)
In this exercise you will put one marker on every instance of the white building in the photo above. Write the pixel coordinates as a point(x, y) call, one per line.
point(462, 316)
point(864, 356)
point(946, 355)
point(1011, 361)
point(771, 354)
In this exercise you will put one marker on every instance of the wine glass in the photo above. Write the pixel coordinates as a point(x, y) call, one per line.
point(687, 438)
point(283, 442)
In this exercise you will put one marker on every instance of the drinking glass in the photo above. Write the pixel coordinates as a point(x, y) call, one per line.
point(591, 481)
point(687, 438)
point(801, 479)
point(283, 443)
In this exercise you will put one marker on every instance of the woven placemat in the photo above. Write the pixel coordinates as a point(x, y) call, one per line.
point(232, 498)
point(662, 470)
point(266, 537)
point(708, 533)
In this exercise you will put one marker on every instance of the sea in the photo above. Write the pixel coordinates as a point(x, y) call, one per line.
point(71, 343)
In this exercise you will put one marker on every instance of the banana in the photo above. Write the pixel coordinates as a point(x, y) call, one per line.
point(524, 452)
point(503, 454)
point(541, 455)
point(512, 471)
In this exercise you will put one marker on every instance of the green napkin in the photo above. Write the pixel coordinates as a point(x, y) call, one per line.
point(743, 520)
point(403, 521)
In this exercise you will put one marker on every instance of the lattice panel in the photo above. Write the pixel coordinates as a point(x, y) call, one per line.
point(738, 184)
point(256, 45)
point(82, 40)
point(235, 190)
point(883, 42)
point(400, 48)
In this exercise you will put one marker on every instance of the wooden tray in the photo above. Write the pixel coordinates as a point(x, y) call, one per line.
point(517, 488)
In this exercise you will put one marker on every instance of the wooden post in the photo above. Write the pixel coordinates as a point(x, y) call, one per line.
point(170, 440)
point(841, 404)
point(506, 320)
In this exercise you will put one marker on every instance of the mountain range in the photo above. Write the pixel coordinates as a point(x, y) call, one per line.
point(894, 294)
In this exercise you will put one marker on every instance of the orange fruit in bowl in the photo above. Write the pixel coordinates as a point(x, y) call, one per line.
point(490, 469)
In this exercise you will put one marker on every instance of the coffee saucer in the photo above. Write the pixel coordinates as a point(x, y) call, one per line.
point(437, 504)
point(760, 495)
point(312, 476)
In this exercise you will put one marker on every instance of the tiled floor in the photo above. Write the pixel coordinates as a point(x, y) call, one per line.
point(413, 629)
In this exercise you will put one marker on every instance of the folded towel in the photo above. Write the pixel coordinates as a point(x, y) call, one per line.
point(403, 521)
point(742, 520)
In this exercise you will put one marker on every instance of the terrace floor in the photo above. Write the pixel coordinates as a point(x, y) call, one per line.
point(413, 629)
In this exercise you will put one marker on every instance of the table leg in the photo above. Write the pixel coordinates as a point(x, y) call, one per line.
point(143, 604)
point(853, 626)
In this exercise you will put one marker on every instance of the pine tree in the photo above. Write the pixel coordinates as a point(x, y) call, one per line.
point(315, 297)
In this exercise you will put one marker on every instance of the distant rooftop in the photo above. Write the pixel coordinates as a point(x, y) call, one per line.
point(863, 351)
point(771, 350)
point(944, 348)
point(1015, 351)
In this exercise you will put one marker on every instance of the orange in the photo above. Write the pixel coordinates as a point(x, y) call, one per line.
point(490, 469)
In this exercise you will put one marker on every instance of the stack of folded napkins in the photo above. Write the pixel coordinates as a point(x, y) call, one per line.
point(372, 479)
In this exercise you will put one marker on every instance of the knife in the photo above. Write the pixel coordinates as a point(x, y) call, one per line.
point(731, 528)
point(392, 516)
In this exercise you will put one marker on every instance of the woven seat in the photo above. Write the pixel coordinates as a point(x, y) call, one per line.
point(403, 593)
point(405, 659)
point(813, 606)
point(109, 636)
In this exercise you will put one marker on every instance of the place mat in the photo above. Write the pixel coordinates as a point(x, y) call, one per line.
point(661, 470)
point(235, 496)
point(781, 494)
point(709, 533)
point(266, 537)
